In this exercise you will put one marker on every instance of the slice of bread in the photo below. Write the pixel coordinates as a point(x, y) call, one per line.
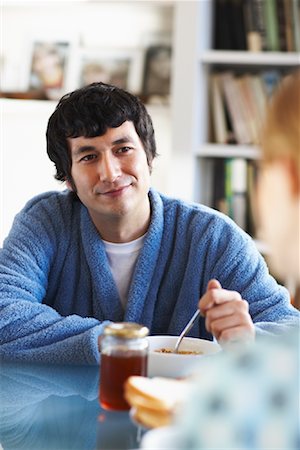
point(154, 400)
point(150, 418)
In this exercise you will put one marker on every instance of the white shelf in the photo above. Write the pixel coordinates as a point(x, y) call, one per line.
point(228, 151)
point(194, 61)
point(249, 58)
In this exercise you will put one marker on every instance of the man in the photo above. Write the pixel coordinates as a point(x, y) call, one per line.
point(112, 249)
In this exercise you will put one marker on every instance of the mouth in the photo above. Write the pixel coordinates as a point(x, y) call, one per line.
point(116, 191)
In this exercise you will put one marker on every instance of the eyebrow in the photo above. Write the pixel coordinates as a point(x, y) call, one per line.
point(88, 148)
point(83, 149)
point(123, 140)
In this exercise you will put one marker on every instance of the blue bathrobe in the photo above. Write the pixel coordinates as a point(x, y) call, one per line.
point(57, 291)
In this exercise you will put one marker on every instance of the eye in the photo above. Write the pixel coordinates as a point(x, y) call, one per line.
point(123, 150)
point(87, 158)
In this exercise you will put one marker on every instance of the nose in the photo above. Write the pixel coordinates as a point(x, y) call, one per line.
point(109, 168)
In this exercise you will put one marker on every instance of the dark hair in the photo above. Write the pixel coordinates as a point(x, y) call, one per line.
point(89, 112)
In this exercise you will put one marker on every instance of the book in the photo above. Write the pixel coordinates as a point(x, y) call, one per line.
point(228, 186)
point(250, 105)
point(220, 129)
point(281, 26)
point(228, 25)
point(271, 20)
point(255, 27)
point(235, 108)
point(288, 13)
point(252, 213)
point(237, 25)
point(221, 29)
point(239, 191)
point(296, 24)
point(230, 189)
point(218, 187)
point(260, 96)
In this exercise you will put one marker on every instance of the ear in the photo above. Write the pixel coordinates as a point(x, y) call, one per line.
point(69, 185)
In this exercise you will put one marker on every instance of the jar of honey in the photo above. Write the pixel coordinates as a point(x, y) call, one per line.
point(124, 352)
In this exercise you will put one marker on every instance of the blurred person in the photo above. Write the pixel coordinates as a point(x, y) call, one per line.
point(246, 397)
point(279, 181)
point(112, 248)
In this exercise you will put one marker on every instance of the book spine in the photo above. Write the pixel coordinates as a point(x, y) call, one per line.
point(296, 24)
point(239, 191)
point(255, 28)
point(252, 213)
point(288, 13)
point(218, 112)
point(261, 23)
point(228, 186)
point(221, 28)
point(247, 95)
point(270, 14)
point(281, 26)
point(235, 108)
point(237, 25)
point(260, 96)
point(219, 200)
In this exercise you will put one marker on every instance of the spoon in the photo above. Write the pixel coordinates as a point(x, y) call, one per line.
point(186, 329)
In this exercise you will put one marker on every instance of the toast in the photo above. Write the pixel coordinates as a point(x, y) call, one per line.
point(154, 400)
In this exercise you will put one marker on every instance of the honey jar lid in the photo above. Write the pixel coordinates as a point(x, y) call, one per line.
point(126, 330)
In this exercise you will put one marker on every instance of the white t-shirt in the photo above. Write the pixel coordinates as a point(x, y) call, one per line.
point(122, 259)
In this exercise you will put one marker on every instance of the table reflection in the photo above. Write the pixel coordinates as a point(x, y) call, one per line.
point(57, 408)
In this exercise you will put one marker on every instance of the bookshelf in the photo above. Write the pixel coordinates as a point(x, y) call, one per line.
point(193, 123)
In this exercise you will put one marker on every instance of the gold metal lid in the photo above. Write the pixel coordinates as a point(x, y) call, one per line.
point(126, 330)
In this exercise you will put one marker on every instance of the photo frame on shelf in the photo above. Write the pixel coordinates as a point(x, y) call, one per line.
point(48, 65)
point(157, 71)
point(121, 67)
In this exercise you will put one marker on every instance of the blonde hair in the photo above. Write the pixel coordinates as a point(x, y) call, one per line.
point(281, 131)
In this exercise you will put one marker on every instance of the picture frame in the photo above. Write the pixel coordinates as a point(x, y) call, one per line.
point(157, 71)
point(120, 67)
point(48, 65)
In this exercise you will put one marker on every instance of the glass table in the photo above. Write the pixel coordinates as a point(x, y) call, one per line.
point(57, 408)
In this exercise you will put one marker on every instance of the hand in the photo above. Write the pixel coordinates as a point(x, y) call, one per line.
point(226, 314)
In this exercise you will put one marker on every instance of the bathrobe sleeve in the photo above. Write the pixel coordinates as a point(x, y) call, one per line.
point(29, 329)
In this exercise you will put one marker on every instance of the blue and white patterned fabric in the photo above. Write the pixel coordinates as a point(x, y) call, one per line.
point(246, 399)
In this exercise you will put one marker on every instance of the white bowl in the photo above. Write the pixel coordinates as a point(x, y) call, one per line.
point(177, 365)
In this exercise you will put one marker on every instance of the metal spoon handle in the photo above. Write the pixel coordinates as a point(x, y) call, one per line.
point(186, 329)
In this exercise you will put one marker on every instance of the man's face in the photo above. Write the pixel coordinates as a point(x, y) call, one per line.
point(111, 174)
